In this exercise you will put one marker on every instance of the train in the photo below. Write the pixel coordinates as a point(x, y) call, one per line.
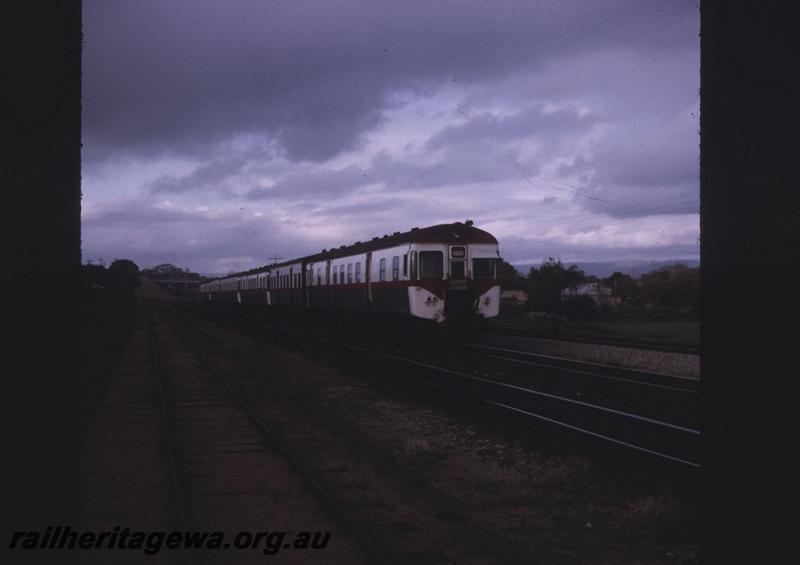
point(441, 274)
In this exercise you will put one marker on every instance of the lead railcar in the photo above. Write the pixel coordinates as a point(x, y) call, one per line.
point(439, 273)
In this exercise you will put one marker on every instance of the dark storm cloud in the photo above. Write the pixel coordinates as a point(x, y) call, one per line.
point(469, 153)
point(179, 77)
point(138, 212)
point(149, 234)
point(312, 182)
point(396, 205)
point(644, 168)
point(452, 169)
point(209, 128)
point(211, 175)
point(535, 120)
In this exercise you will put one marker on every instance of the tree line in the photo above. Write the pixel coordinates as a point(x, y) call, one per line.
point(121, 278)
point(168, 271)
point(672, 287)
point(117, 281)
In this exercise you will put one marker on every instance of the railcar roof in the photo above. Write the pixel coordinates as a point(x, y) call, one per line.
point(441, 233)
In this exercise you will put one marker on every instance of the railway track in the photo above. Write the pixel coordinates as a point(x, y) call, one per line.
point(653, 437)
point(389, 524)
point(660, 396)
point(633, 377)
point(649, 345)
point(657, 438)
point(219, 451)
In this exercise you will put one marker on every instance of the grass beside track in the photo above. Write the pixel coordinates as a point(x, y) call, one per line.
point(668, 333)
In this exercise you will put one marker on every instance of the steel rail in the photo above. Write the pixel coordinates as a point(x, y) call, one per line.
point(688, 385)
point(658, 423)
point(616, 342)
point(560, 423)
point(179, 494)
point(566, 359)
point(517, 388)
point(317, 484)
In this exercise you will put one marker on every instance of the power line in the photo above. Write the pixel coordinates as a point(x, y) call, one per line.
point(530, 181)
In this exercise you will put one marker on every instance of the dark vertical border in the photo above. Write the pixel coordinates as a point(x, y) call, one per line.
point(749, 215)
point(40, 164)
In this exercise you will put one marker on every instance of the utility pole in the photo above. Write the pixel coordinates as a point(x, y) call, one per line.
point(275, 259)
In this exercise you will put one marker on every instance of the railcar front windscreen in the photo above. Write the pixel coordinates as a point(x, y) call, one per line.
point(483, 268)
point(431, 264)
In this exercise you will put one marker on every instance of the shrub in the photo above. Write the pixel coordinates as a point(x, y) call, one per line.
point(579, 307)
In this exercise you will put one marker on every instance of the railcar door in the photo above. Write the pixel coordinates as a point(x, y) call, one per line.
point(368, 280)
point(328, 283)
point(458, 296)
point(305, 284)
point(458, 263)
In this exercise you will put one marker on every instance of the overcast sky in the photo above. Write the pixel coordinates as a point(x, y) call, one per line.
point(218, 134)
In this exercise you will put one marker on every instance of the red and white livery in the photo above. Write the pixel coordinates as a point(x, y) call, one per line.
point(447, 271)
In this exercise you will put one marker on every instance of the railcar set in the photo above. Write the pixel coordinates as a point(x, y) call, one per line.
point(442, 273)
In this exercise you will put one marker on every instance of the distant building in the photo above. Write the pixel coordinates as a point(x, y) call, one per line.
point(600, 293)
point(514, 296)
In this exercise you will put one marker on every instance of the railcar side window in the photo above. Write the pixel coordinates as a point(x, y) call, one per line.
point(358, 272)
point(382, 270)
point(483, 268)
point(349, 273)
point(431, 264)
point(413, 265)
point(405, 265)
point(396, 268)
